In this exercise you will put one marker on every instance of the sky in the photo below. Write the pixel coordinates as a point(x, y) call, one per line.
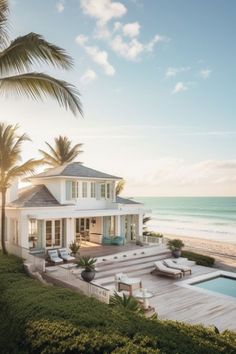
point(157, 79)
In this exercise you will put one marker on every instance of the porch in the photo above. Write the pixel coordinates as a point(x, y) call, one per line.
point(109, 230)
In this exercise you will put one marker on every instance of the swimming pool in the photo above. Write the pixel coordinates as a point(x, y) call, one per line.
point(222, 284)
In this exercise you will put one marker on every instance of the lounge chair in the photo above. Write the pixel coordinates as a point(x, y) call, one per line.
point(65, 255)
point(162, 269)
point(54, 258)
point(174, 265)
point(127, 284)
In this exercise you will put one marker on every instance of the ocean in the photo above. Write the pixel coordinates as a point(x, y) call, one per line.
point(211, 218)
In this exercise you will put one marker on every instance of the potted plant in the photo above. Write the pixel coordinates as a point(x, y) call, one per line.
point(175, 246)
point(74, 247)
point(88, 263)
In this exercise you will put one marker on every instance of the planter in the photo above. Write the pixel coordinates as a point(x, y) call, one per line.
point(88, 276)
point(176, 253)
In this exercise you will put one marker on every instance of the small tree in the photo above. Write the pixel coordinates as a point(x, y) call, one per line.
point(10, 169)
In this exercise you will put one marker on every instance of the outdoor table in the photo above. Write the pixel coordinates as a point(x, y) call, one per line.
point(144, 295)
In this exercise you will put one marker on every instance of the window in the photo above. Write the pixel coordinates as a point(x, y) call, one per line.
point(93, 190)
point(84, 189)
point(32, 227)
point(48, 233)
point(103, 190)
point(57, 233)
point(75, 189)
point(108, 191)
point(53, 233)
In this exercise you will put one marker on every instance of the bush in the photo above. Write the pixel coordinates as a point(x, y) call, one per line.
point(200, 259)
point(43, 319)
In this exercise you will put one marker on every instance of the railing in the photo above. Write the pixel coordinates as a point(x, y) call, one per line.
point(37, 263)
point(151, 240)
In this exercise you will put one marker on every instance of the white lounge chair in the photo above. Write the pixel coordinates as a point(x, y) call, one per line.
point(65, 255)
point(54, 258)
point(174, 265)
point(126, 283)
point(162, 269)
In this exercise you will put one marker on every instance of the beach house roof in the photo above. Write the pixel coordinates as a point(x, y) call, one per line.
point(36, 196)
point(75, 169)
point(126, 201)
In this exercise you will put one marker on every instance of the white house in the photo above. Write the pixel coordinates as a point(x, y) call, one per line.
point(67, 203)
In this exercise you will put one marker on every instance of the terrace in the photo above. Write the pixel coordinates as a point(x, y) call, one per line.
point(171, 299)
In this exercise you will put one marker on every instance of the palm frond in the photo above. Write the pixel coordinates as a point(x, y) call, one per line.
point(4, 11)
point(31, 49)
point(48, 159)
point(27, 168)
point(40, 86)
point(120, 187)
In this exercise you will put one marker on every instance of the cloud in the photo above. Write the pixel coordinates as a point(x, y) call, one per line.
point(128, 50)
point(81, 39)
point(205, 73)
point(156, 39)
point(103, 10)
point(88, 76)
point(180, 87)
point(172, 72)
point(131, 29)
point(98, 56)
point(60, 6)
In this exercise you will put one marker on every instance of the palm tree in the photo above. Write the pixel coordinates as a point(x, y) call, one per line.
point(62, 153)
point(17, 58)
point(120, 187)
point(10, 166)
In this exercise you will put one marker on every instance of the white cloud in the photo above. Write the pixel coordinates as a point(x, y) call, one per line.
point(128, 50)
point(98, 56)
point(131, 29)
point(172, 72)
point(88, 76)
point(205, 73)
point(81, 39)
point(180, 87)
point(60, 6)
point(103, 10)
point(156, 39)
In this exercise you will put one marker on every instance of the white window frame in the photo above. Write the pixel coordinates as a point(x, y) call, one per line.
point(103, 190)
point(84, 189)
point(75, 189)
point(93, 190)
point(53, 221)
point(108, 194)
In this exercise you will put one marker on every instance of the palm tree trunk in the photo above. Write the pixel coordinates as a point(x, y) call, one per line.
point(3, 221)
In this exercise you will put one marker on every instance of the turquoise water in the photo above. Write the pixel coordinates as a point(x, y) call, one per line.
point(221, 284)
point(204, 217)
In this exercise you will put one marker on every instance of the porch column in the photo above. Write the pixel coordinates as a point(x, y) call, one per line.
point(140, 225)
point(118, 226)
point(70, 231)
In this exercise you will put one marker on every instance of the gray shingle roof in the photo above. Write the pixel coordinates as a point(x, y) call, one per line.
point(75, 169)
point(126, 201)
point(36, 196)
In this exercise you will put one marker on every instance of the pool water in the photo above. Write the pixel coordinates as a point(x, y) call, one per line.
point(222, 284)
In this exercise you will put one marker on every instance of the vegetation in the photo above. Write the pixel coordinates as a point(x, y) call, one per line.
point(45, 319)
point(74, 247)
point(10, 166)
point(16, 60)
point(175, 244)
point(87, 262)
point(63, 152)
point(120, 187)
point(200, 259)
point(126, 303)
point(153, 234)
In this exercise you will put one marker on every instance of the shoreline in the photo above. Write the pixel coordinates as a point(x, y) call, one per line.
point(223, 252)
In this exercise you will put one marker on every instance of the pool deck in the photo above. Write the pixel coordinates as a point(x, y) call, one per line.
point(171, 299)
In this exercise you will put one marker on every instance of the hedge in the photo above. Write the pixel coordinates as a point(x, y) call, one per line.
point(43, 319)
point(200, 259)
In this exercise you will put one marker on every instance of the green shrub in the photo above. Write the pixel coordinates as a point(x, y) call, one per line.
point(200, 259)
point(43, 319)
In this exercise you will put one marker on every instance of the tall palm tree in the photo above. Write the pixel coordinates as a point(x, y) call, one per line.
point(17, 58)
point(10, 166)
point(62, 153)
point(120, 187)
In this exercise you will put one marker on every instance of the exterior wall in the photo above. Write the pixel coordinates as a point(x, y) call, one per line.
point(53, 185)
